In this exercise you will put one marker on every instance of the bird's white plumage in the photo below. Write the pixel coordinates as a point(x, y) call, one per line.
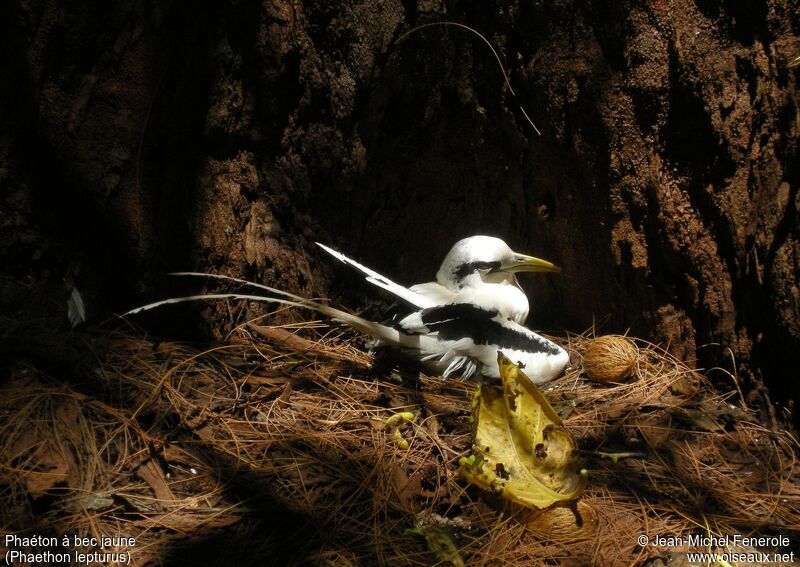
point(459, 322)
point(506, 297)
point(466, 275)
point(434, 334)
point(479, 270)
point(472, 336)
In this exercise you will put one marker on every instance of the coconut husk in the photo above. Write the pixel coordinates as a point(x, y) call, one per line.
point(609, 358)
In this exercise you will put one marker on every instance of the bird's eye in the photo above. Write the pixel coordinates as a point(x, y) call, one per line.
point(489, 267)
point(470, 267)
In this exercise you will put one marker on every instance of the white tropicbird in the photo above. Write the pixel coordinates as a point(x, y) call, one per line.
point(479, 270)
point(454, 337)
point(475, 308)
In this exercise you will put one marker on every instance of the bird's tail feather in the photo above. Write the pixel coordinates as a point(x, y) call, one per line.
point(292, 296)
point(381, 332)
point(382, 281)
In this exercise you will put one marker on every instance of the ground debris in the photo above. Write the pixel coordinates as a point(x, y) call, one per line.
point(278, 449)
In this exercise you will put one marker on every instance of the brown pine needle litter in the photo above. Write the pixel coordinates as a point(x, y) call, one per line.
point(286, 443)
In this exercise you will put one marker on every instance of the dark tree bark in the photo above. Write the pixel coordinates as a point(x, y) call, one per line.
point(144, 137)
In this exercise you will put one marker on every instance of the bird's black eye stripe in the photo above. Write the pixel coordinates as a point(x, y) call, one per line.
point(467, 268)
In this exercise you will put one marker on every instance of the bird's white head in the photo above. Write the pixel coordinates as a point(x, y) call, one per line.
point(487, 258)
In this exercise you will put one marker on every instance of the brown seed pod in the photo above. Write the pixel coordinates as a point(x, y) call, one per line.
point(609, 358)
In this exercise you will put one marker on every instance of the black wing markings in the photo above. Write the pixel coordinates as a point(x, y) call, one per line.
point(484, 326)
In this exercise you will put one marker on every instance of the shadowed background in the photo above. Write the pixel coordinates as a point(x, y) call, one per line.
point(139, 138)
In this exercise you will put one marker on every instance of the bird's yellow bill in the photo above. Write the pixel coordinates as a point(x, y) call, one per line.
point(523, 263)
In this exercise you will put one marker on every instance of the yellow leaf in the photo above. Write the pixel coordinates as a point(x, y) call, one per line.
point(521, 451)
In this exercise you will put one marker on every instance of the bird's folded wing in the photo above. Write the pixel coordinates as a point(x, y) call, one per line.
point(373, 277)
point(436, 292)
point(459, 315)
point(465, 321)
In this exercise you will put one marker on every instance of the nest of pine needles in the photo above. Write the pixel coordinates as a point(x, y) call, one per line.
point(280, 444)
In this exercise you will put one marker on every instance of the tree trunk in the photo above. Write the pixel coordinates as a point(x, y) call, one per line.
point(147, 137)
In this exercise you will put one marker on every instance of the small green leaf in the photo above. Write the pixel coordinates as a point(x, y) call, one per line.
point(394, 422)
point(439, 543)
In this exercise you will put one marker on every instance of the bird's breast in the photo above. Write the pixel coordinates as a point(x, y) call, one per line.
point(508, 300)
